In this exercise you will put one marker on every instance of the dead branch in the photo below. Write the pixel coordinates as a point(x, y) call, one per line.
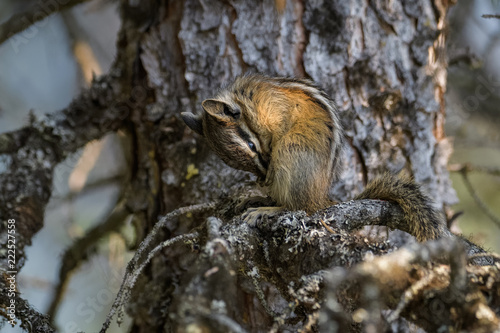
point(464, 170)
point(42, 145)
point(488, 16)
point(32, 15)
point(31, 154)
point(135, 267)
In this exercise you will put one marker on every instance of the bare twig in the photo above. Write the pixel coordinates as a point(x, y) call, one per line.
point(330, 230)
point(495, 16)
point(152, 254)
point(133, 272)
point(160, 224)
point(130, 279)
point(254, 275)
point(477, 199)
point(459, 167)
point(38, 12)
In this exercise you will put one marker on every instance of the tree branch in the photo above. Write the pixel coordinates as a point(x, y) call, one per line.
point(40, 146)
point(262, 256)
point(488, 16)
point(464, 170)
point(31, 320)
point(31, 154)
point(38, 12)
point(440, 295)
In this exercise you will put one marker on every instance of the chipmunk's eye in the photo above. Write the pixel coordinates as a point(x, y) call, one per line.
point(227, 111)
point(251, 145)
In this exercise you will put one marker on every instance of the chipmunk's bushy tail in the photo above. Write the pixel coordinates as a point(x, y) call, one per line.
point(422, 220)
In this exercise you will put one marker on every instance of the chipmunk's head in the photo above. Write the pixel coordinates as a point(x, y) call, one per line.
point(225, 129)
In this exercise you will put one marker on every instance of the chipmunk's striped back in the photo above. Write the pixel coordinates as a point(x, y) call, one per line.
point(319, 97)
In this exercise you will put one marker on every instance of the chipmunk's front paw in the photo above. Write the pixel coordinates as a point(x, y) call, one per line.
point(255, 201)
point(255, 216)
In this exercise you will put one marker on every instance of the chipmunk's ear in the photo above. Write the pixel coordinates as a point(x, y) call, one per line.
point(194, 122)
point(220, 109)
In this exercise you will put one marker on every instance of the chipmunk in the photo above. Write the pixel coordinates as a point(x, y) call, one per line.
point(286, 131)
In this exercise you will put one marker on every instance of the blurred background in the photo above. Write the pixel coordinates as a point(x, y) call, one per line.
point(473, 116)
point(43, 68)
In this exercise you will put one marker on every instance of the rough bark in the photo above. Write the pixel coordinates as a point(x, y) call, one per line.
point(384, 64)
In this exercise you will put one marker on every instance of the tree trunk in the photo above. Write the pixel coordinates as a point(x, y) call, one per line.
point(384, 64)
